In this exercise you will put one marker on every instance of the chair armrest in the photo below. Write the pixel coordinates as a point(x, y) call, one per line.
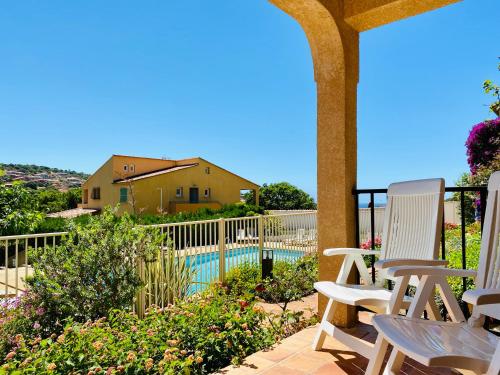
point(349, 251)
point(479, 297)
point(387, 263)
point(429, 271)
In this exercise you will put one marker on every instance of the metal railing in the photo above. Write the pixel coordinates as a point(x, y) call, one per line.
point(194, 253)
point(208, 250)
point(481, 192)
point(14, 259)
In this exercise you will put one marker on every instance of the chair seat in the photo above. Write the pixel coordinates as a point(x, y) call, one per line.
point(356, 295)
point(435, 343)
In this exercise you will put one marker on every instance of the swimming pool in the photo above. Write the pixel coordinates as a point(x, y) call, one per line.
point(206, 266)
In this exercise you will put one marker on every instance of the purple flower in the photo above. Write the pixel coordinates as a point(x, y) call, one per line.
point(483, 144)
point(40, 311)
point(36, 325)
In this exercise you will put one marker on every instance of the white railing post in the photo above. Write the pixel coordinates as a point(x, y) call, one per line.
point(260, 224)
point(222, 248)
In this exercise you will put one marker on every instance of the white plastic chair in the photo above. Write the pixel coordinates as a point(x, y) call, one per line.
point(457, 344)
point(411, 235)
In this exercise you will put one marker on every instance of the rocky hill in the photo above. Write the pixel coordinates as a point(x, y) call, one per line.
point(36, 176)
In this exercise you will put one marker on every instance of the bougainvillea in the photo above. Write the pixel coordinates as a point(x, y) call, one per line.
point(483, 144)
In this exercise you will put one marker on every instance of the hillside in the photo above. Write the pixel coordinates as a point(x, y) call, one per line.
point(36, 176)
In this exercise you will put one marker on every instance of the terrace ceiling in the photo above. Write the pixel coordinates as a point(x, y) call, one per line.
point(364, 15)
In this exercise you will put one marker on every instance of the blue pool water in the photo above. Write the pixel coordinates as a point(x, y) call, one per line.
point(206, 265)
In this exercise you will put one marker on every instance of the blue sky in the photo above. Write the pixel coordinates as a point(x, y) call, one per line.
point(232, 81)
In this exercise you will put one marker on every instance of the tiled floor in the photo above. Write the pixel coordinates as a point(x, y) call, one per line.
point(294, 356)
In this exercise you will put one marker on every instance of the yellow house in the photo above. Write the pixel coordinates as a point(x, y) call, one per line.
point(147, 185)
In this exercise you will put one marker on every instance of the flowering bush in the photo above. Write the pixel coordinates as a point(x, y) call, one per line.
point(483, 144)
point(92, 271)
point(449, 226)
point(367, 245)
point(196, 336)
point(22, 315)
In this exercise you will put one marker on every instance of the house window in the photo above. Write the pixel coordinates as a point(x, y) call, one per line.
point(207, 193)
point(132, 168)
point(207, 170)
point(123, 195)
point(96, 193)
point(178, 192)
point(125, 168)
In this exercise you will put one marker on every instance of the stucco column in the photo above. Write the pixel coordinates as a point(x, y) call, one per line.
point(336, 172)
point(334, 47)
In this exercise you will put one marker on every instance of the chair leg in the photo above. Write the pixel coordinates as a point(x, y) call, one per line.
point(495, 362)
point(394, 363)
point(377, 359)
point(320, 337)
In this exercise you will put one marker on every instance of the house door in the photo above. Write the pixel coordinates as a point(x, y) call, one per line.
point(193, 195)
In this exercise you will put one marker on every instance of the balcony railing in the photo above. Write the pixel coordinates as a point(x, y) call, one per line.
point(375, 220)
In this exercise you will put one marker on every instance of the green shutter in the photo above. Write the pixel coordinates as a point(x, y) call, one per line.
point(123, 195)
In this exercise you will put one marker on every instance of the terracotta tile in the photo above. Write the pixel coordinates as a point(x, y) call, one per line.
point(323, 355)
point(303, 362)
point(330, 369)
point(256, 363)
point(275, 354)
point(294, 356)
point(283, 371)
point(294, 344)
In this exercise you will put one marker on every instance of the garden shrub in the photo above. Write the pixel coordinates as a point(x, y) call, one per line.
point(197, 336)
point(169, 277)
point(227, 211)
point(454, 254)
point(242, 280)
point(290, 281)
point(94, 269)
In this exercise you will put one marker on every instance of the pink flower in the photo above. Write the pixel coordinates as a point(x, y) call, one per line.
point(40, 311)
point(36, 325)
point(367, 245)
point(10, 356)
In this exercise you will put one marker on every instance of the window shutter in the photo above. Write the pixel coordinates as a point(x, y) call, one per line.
point(123, 195)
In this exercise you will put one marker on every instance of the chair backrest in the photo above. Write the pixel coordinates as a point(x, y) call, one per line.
point(489, 261)
point(413, 219)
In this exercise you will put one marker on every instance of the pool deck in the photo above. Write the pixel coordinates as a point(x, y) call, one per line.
point(22, 271)
point(294, 356)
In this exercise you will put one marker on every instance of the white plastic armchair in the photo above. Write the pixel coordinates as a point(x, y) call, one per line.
point(411, 233)
point(457, 344)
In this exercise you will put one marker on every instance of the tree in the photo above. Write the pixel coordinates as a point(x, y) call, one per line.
point(18, 210)
point(285, 196)
point(52, 200)
point(490, 88)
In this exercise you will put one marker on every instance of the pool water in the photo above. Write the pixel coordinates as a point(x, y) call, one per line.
point(206, 266)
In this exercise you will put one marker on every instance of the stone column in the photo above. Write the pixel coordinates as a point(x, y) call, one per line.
point(334, 47)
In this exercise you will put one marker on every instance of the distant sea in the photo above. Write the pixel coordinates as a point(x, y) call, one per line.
point(365, 205)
